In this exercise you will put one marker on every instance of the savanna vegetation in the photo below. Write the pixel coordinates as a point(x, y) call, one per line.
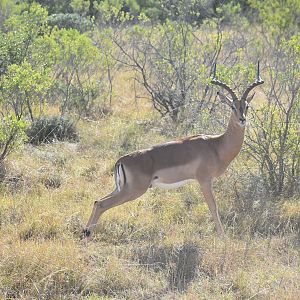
point(84, 82)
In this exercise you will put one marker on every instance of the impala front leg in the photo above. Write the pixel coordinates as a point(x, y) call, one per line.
point(211, 202)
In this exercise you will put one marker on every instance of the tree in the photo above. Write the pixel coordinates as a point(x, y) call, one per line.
point(171, 63)
point(54, 6)
point(22, 31)
point(6, 8)
point(23, 90)
point(79, 67)
point(22, 94)
point(24, 80)
point(12, 134)
point(274, 140)
point(279, 17)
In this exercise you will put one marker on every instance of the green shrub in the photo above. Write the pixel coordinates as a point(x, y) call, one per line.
point(49, 129)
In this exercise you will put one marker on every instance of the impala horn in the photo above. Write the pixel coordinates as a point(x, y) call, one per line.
point(222, 84)
point(257, 82)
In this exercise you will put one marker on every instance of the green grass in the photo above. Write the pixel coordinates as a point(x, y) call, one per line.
point(161, 246)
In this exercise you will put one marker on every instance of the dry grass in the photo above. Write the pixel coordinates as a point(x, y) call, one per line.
point(161, 246)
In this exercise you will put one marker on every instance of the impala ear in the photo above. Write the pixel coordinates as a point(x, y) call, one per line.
point(225, 99)
point(249, 99)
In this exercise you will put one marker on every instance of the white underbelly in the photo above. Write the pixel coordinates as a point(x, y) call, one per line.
point(174, 185)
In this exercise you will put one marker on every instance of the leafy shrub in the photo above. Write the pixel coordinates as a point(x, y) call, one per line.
point(69, 21)
point(49, 129)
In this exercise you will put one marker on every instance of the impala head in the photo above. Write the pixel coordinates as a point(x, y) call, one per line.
point(238, 106)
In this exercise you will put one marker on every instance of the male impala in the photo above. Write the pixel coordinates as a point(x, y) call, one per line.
point(170, 165)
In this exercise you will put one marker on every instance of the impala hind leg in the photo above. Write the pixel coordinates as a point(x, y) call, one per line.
point(96, 213)
point(211, 202)
point(114, 199)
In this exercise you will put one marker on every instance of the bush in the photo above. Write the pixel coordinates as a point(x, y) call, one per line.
point(49, 129)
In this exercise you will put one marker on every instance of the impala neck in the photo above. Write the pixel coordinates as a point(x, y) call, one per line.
point(232, 140)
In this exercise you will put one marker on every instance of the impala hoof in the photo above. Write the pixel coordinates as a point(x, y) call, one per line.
point(86, 233)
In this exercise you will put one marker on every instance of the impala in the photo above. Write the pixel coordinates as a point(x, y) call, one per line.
point(170, 165)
